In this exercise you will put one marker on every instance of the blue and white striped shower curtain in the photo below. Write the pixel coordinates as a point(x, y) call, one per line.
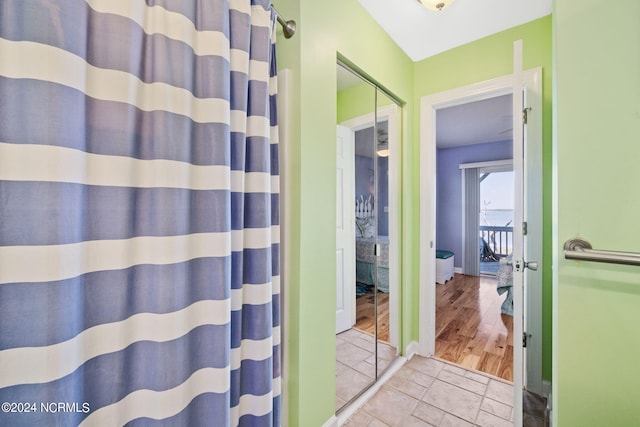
point(139, 236)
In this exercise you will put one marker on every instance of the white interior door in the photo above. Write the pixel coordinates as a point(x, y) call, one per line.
point(345, 229)
point(532, 251)
point(518, 259)
point(527, 279)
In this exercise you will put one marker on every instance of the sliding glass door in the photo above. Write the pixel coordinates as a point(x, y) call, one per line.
point(496, 218)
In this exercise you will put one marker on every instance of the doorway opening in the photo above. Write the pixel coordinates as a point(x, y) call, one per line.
point(527, 362)
point(474, 146)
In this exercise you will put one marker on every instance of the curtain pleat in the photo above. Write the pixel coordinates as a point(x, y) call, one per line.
point(139, 225)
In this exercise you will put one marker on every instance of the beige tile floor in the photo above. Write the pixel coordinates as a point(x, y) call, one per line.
point(429, 392)
point(355, 363)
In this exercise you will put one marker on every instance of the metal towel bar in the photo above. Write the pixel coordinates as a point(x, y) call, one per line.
point(582, 250)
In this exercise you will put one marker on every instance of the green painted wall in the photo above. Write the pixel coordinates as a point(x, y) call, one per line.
point(596, 197)
point(355, 102)
point(478, 61)
point(324, 29)
point(358, 100)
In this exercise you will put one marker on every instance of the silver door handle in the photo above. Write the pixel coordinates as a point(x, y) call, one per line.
point(580, 249)
point(531, 265)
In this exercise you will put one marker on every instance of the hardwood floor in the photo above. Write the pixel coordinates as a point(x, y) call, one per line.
point(365, 314)
point(470, 330)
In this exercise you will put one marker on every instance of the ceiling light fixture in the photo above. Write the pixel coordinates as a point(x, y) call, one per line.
point(436, 4)
point(383, 143)
point(383, 149)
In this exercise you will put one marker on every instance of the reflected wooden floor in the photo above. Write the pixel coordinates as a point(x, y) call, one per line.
point(470, 330)
point(365, 317)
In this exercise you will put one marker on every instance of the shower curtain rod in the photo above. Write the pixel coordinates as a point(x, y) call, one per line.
point(288, 27)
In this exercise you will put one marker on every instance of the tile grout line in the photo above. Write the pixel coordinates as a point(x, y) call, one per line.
point(441, 367)
point(484, 395)
point(436, 378)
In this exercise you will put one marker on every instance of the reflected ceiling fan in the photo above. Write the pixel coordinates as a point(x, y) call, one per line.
point(383, 143)
point(510, 116)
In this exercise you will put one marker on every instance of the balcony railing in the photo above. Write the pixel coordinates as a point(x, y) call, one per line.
point(499, 239)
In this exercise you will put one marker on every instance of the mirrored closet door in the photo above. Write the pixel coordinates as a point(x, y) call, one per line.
point(387, 224)
point(366, 221)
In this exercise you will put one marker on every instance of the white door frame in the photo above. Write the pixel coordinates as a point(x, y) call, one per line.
point(391, 114)
point(428, 107)
point(345, 229)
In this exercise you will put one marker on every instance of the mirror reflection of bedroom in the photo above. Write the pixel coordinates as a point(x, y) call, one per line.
point(364, 284)
point(355, 351)
point(372, 225)
point(474, 236)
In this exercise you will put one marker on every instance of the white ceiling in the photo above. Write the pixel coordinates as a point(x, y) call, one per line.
point(477, 122)
point(422, 33)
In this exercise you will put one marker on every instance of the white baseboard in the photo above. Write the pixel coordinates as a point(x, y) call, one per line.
point(413, 348)
point(457, 270)
point(331, 422)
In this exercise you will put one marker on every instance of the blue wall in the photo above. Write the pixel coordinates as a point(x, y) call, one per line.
point(449, 189)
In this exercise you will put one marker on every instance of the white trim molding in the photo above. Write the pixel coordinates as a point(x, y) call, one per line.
point(428, 107)
point(331, 422)
point(495, 164)
point(412, 349)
